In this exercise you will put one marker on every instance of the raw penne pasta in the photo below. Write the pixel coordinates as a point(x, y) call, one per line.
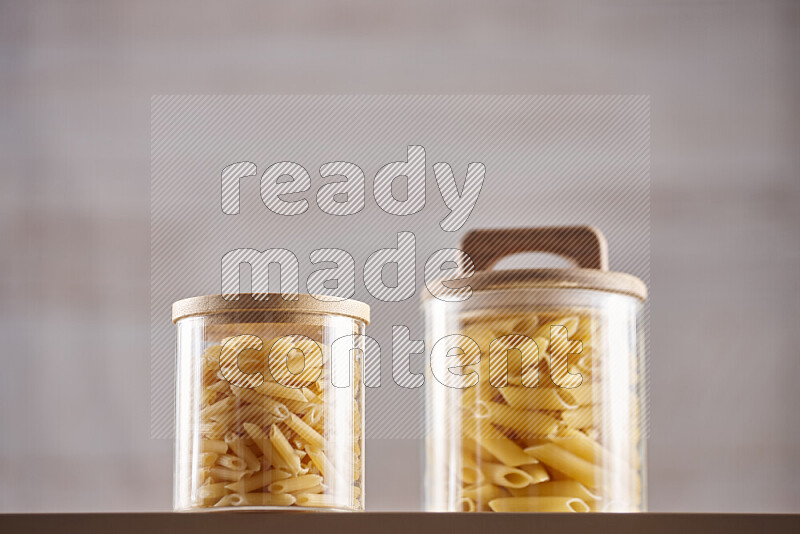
point(579, 444)
point(506, 450)
point(505, 476)
point(284, 450)
point(473, 452)
point(467, 504)
point(282, 413)
point(261, 441)
point(541, 448)
point(538, 398)
point(268, 499)
point(218, 387)
point(279, 391)
point(226, 500)
point(279, 463)
point(321, 461)
point(213, 445)
point(207, 459)
point(259, 421)
point(223, 473)
point(313, 418)
point(210, 491)
point(583, 394)
point(232, 462)
point(217, 409)
point(579, 418)
point(258, 401)
point(564, 488)
point(570, 323)
point(311, 396)
point(237, 445)
point(565, 462)
point(213, 430)
point(470, 472)
point(307, 433)
point(294, 484)
point(257, 481)
point(313, 490)
point(315, 500)
point(542, 504)
point(483, 493)
point(537, 472)
point(523, 422)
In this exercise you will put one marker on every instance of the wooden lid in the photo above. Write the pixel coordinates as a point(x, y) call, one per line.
point(560, 278)
point(312, 304)
point(584, 246)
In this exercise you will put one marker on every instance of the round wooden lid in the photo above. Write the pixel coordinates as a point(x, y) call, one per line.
point(584, 246)
point(560, 278)
point(312, 304)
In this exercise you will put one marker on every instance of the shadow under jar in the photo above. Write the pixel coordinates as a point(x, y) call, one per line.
point(259, 423)
point(545, 412)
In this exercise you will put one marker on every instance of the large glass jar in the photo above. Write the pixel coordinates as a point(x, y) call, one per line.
point(542, 409)
point(261, 422)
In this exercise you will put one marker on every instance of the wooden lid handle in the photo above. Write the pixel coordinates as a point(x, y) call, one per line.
point(583, 245)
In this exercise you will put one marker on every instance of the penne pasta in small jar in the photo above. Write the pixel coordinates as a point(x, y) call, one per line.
point(539, 406)
point(270, 403)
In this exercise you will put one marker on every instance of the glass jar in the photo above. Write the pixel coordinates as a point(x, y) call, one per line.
point(261, 421)
point(542, 408)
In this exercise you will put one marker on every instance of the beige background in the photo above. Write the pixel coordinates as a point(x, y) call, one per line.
point(74, 213)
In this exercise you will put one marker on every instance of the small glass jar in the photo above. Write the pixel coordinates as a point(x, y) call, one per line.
point(546, 411)
point(261, 423)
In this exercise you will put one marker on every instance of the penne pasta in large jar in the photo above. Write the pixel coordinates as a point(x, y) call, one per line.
point(270, 403)
point(539, 407)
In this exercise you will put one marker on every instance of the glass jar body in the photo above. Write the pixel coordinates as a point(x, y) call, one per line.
point(550, 416)
point(259, 423)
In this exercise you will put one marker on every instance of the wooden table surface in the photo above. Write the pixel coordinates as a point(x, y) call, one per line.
point(389, 523)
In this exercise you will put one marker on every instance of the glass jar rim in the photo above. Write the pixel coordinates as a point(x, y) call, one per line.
point(593, 279)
